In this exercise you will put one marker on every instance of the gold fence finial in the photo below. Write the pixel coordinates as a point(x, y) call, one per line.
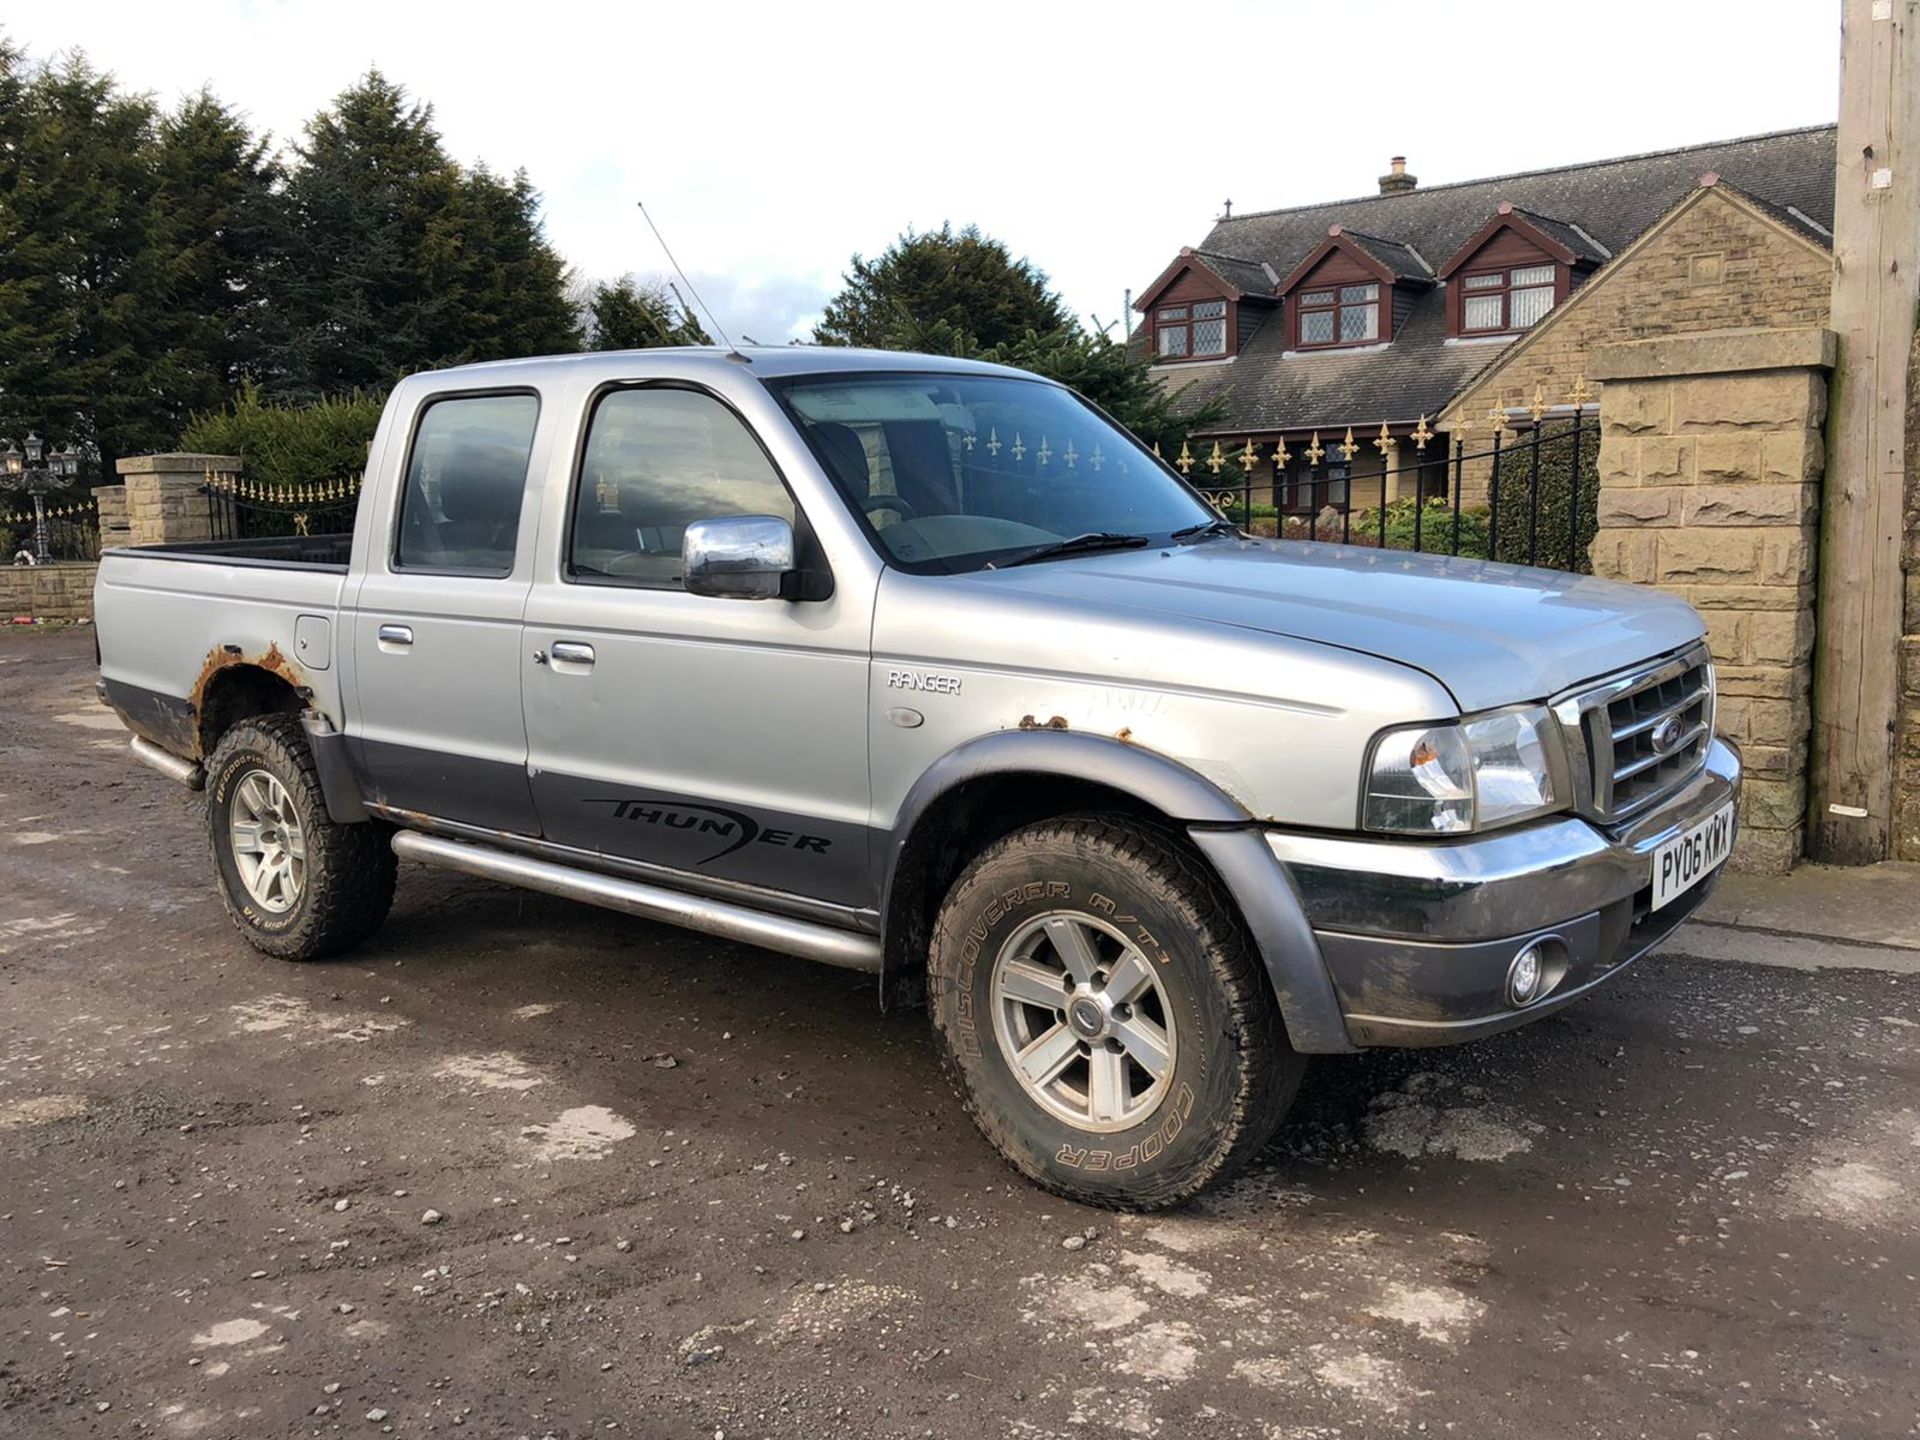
point(1281, 455)
point(1347, 448)
point(1579, 395)
point(1421, 434)
point(1315, 454)
point(1385, 443)
point(1216, 461)
point(1539, 406)
point(1248, 456)
point(1185, 462)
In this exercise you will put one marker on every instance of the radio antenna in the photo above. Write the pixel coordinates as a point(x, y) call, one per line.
point(733, 351)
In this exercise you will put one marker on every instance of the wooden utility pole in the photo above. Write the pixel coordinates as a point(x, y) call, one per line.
point(1876, 286)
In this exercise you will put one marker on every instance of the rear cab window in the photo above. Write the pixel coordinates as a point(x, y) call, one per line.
point(466, 479)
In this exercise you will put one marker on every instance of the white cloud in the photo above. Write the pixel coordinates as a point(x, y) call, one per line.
point(772, 141)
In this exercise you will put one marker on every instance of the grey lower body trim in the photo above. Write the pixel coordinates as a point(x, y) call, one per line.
point(753, 897)
point(184, 772)
point(1271, 908)
point(165, 720)
point(339, 781)
point(652, 902)
point(491, 793)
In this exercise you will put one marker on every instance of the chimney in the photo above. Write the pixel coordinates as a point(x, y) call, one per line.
point(1396, 181)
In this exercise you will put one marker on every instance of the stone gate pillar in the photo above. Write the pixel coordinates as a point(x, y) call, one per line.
point(1711, 455)
point(165, 504)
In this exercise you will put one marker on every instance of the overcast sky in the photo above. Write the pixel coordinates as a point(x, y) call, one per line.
point(772, 141)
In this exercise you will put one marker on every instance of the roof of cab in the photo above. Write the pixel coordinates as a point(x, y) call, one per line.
point(764, 362)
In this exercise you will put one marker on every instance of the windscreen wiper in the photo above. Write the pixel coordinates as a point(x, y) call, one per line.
point(1204, 528)
point(1083, 545)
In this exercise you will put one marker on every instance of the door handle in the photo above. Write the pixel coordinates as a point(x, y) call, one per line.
point(396, 634)
point(571, 652)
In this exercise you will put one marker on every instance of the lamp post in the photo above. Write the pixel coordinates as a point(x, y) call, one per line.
point(37, 472)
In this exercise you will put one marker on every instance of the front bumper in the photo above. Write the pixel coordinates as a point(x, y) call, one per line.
point(1417, 937)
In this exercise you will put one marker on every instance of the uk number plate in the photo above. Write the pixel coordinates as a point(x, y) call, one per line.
point(1687, 859)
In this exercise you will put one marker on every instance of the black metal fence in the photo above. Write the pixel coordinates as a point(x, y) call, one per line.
point(239, 508)
point(1528, 496)
point(72, 531)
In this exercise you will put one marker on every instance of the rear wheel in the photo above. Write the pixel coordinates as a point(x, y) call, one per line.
point(299, 886)
point(1104, 1015)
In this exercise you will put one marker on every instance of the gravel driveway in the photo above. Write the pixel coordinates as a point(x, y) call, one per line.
point(523, 1169)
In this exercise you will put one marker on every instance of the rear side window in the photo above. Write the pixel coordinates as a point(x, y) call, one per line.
point(467, 474)
point(657, 460)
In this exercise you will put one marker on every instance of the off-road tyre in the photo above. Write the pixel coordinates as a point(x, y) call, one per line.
point(1233, 1073)
point(349, 869)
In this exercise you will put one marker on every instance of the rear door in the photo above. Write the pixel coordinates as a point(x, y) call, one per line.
point(436, 630)
point(722, 738)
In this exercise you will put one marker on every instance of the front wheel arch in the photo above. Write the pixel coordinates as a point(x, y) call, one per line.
point(994, 785)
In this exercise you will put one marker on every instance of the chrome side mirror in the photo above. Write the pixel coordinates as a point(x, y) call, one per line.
point(738, 557)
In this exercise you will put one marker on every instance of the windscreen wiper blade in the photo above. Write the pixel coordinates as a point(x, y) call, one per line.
point(1085, 544)
point(1205, 527)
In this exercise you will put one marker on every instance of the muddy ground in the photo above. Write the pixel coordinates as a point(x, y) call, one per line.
point(687, 1189)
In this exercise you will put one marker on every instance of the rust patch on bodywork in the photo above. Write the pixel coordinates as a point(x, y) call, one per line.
point(1057, 722)
point(223, 659)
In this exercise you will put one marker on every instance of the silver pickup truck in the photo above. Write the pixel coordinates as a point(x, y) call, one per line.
point(927, 668)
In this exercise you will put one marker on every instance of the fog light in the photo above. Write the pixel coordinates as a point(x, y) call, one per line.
point(1523, 976)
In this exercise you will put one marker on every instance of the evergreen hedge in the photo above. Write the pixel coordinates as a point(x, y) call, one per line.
point(285, 445)
point(1515, 501)
point(1436, 528)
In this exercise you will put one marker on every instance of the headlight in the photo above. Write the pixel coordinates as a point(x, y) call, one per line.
point(1466, 775)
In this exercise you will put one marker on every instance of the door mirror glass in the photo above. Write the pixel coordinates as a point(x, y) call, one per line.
point(740, 557)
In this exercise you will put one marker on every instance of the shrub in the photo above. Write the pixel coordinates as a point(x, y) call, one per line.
point(1515, 501)
point(285, 445)
point(1436, 528)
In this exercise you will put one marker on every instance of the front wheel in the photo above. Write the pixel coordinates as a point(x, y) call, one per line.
point(299, 886)
point(1104, 1015)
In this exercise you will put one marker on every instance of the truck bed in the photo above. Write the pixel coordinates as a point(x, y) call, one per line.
point(171, 619)
point(324, 551)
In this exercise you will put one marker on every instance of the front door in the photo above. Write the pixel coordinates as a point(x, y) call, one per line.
point(722, 738)
point(436, 627)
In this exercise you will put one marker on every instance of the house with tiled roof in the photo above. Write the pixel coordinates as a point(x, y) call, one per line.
point(1379, 315)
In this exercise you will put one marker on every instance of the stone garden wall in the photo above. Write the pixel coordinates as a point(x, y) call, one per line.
point(1711, 457)
point(47, 592)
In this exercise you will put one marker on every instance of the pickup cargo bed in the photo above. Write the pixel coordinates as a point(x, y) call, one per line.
point(329, 552)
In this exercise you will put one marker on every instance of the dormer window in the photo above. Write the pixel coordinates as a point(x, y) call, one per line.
point(1493, 301)
point(1192, 331)
point(1343, 315)
point(1513, 270)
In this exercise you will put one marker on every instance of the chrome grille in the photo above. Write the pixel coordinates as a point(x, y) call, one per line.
point(1641, 734)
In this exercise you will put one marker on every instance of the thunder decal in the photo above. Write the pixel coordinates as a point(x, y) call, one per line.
point(732, 830)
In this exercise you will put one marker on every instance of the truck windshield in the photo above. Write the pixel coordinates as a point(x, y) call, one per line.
point(962, 472)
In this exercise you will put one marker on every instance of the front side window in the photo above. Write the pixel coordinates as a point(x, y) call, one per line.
point(1497, 300)
point(460, 510)
point(656, 460)
point(962, 472)
point(1346, 315)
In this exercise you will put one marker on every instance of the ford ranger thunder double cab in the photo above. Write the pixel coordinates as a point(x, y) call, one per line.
point(925, 667)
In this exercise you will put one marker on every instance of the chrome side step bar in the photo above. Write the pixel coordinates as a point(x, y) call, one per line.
point(185, 772)
point(651, 902)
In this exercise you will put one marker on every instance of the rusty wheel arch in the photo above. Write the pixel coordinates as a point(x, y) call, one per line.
point(235, 686)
